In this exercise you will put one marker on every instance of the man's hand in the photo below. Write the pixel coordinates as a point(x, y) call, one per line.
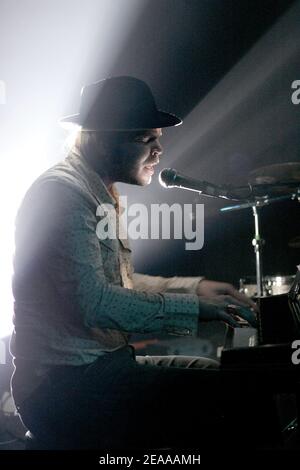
point(221, 301)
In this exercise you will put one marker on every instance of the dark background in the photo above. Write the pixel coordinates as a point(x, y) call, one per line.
point(225, 66)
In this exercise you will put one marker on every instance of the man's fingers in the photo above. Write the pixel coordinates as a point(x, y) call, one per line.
point(246, 300)
point(243, 299)
point(244, 313)
point(225, 308)
point(235, 306)
point(227, 318)
point(230, 300)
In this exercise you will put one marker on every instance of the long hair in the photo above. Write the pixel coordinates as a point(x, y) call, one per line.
point(88, 142)
point(92, 144)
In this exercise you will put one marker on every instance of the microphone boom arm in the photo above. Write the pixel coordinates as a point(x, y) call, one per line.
point(170, 178)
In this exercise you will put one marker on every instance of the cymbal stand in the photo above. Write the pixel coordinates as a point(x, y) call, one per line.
point(258, 243)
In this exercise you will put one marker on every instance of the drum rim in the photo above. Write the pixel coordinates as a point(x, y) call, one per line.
point(289, 277)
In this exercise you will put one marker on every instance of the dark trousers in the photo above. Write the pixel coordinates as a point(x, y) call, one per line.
point(120, 401)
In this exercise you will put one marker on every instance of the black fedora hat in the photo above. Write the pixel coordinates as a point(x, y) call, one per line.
point(119, 103)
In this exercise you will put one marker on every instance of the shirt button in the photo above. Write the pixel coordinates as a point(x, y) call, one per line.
point(183, 331)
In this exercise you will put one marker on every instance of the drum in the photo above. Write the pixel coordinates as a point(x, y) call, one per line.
point(272, 285)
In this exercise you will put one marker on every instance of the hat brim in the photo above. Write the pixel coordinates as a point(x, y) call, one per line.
point(162, 119)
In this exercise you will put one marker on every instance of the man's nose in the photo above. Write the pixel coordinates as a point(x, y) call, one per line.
point(157, 148)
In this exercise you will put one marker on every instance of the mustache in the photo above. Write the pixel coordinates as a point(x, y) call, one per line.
point(152, 161)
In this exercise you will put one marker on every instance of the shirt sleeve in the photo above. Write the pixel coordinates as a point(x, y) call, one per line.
point(178, 284)
point(72, 255)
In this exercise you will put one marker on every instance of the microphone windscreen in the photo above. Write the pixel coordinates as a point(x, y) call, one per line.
point(167, 177)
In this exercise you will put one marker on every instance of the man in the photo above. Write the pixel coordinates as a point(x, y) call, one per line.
point(77, 382)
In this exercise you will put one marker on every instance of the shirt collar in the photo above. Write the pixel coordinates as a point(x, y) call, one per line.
point(93, 179)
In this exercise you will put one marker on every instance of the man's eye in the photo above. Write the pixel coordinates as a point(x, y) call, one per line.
point(144, 140)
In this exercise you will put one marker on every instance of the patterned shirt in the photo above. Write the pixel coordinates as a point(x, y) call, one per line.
point(76, 296)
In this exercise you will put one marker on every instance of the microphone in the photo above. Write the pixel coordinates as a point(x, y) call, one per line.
point(170, 178)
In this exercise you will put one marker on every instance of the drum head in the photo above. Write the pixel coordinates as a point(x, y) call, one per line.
point(272, 285)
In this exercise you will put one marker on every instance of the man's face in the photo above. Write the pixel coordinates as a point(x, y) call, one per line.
point(135, 156)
